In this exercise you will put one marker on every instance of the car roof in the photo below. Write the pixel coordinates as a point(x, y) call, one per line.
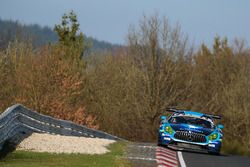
point(193, 114)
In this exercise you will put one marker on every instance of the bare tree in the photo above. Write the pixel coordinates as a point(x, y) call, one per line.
point(162, 53)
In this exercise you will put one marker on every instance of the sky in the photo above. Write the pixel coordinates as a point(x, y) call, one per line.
point(110, 20)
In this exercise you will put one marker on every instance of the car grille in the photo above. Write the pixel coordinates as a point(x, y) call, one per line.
point(190, 136)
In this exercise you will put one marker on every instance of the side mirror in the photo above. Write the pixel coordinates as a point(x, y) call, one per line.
point(163, 117)
point(220, 126)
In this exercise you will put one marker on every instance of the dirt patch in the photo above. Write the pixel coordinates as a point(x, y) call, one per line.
point(64, 144)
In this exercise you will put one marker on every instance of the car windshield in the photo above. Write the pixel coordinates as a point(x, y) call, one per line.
point(191, 121)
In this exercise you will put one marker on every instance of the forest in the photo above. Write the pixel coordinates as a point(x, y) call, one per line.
point(125, 91)
point(39, 36)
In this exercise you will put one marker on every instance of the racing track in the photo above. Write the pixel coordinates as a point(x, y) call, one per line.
point(206, 160)
point(17, 122)
point(195, 159)
point(150, 155)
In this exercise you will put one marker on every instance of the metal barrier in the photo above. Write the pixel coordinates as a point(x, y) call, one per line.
point(18, 121)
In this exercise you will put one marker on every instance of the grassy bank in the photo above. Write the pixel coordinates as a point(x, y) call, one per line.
point(32, 159)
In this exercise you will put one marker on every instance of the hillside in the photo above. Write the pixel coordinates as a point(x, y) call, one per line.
point(11, 30)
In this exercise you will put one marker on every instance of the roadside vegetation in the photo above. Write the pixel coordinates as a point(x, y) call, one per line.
point(33, 159)
point(125, 92)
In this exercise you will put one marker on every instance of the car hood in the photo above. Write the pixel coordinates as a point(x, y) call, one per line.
point(192, 128)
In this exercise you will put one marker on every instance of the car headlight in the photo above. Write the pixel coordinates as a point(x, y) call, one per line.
point(213, 136)
point(169, 130)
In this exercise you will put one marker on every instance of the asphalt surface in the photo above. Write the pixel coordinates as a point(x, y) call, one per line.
point(193, 159)
point(143, 155)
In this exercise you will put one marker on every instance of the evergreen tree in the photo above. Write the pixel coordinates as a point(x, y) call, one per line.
point(69, 36)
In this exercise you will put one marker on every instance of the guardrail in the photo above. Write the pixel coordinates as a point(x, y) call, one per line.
point(18, 121)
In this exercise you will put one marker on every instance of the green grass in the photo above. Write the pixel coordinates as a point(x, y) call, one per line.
point(32, 159)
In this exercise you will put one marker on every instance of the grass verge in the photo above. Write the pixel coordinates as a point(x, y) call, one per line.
point(33, 159)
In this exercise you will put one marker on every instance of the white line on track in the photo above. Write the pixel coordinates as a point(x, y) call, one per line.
point(153, 147)
point(139, 158)
point(182, 162)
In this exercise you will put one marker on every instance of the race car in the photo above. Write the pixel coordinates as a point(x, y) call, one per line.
point(189, 130)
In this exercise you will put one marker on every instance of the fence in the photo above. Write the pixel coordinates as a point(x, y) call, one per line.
point(17, 122)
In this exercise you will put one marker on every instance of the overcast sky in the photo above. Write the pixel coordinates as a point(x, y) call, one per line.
point(109, 20)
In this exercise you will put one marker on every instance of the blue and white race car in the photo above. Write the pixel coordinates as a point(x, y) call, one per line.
point(190, 130)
